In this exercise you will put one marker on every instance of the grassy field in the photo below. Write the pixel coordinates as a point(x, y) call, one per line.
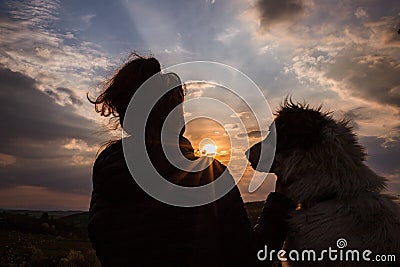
point(33, 238)
point(24, 249)
point(45, 239)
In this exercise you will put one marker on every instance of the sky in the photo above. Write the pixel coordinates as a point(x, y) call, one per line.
point(341, 54)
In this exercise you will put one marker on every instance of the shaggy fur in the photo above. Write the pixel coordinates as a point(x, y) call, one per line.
point(321, 164)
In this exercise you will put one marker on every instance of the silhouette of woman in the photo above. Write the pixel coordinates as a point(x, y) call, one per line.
point(127, 227)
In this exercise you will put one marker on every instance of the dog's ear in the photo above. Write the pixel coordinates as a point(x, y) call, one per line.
point(299, 129)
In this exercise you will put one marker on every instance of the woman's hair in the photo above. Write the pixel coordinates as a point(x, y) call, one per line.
point(118, 91)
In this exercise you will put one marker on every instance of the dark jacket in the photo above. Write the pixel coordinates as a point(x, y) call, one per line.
point(127, 227)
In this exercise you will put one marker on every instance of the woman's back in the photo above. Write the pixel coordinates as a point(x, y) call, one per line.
point(128, 227)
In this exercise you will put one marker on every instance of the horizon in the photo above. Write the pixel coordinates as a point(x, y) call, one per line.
point(343, 55)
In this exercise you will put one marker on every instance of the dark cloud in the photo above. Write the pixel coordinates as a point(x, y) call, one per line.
point(55, 175)
point(385, 30)
point(62, 93)
point(32, 115)
point(252, 134)
point(392, 37)
point(383, 157)
point(272, 11)
point(36, 131)
point(53, 94)
point(357, 114)
point(71, 95)
point(370, 77)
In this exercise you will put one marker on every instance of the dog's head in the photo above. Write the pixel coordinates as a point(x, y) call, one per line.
point(316, 156)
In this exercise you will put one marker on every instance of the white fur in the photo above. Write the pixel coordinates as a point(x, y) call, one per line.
point(341, 198)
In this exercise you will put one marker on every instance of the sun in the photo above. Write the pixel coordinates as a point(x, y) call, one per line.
point(209, 150)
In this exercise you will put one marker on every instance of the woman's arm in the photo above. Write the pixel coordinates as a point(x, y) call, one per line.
point(242, 242)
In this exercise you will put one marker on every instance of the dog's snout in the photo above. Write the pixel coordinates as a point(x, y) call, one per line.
point(247, 153)
point(253, 155)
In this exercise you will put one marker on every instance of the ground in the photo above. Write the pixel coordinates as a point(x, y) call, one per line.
point(48, 239)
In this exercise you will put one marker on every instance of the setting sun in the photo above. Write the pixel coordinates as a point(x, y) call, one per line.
point(209, 150)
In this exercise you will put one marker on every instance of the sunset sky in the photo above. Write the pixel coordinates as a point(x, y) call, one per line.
point(342, 54)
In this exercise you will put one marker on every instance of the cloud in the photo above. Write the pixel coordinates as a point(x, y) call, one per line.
point(50, 58)
point(43, 143)
point(6, 159)
point(87, 19)
point(356, 114)
point(193, 85)
point(38, 13)
point(383, 31)
point(383, 158)
point(359, 113)
point(71, 95)
point(42, 198)
point(64, 96)
point(231, 126)
point(370, 77)
point(31, 113)
point(195, 89)
point(273, 12)
point(48, 145)
point(78, 144)
point(252, 134)
point(350, 61)
point(228, 35)
point(53, 95)
point(361, 12)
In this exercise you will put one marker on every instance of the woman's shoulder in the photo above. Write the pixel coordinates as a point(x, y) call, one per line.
point(111, 153)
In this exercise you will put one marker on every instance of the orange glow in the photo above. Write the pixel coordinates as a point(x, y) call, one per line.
point(209, 138)
point(209, 150)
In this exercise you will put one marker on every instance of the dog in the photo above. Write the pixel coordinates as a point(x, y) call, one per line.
point(320, 164)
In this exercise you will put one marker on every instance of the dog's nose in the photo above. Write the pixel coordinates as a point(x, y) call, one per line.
point(253, 155)
point(247, 153)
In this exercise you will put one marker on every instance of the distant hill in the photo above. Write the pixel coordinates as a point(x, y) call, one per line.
point(72, 221)
point(79, 220)
point(37, 213)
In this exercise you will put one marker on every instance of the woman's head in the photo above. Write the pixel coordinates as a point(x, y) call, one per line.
point(118, 91)
point(170, 84)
